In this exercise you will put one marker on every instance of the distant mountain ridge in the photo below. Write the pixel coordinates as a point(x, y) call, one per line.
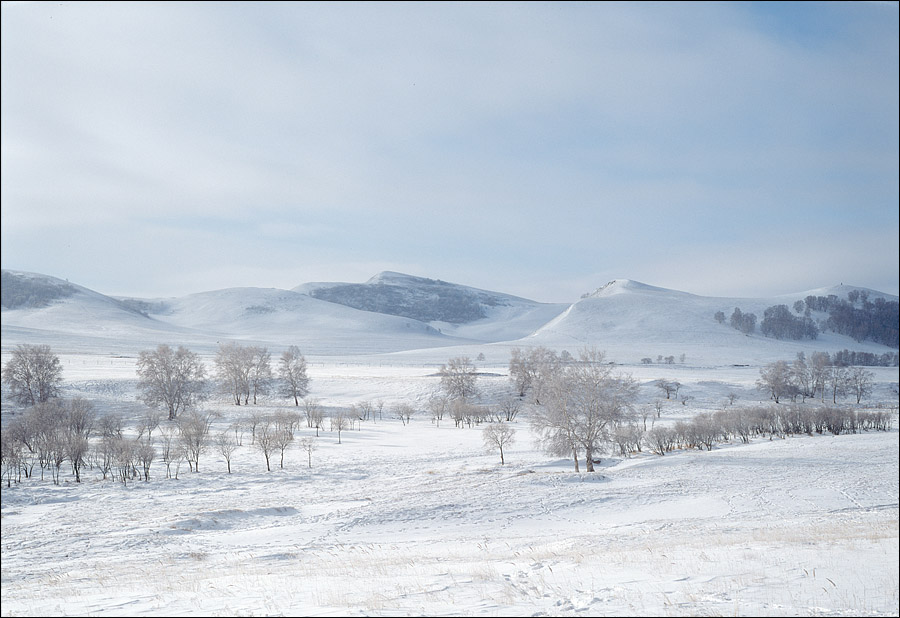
point(426, 300)
point(25, 290)
point(393, 312)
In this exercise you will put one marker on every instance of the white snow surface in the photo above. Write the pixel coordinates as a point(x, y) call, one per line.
point(420, 519)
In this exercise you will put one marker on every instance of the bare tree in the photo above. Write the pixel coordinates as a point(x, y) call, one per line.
point(509, 407)
point(839, 380)
point(315, 416)
point(308, 445)
point(252, 421)
point(339, 421)
point(226, 445)
point(79, 424)
point(150, 420)
point(819, 363)
point(669, 387)
point(265, 440)
point(860, 382)
point(193, 430)
point(10, 456)
point(438, 406)
point(172, 379)
point(498, 435)
point(404, 412)
point(292, 371)
point(169, 451)
point(283, 435)
point(33, 374)
point(144, 454)
point(661, 439)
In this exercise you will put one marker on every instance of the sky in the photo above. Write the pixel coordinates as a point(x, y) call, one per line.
point(536, 149)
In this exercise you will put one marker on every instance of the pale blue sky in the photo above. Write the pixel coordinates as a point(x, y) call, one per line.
point(536, 149)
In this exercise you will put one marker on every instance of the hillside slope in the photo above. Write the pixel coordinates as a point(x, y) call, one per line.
point(454, 309)
point(632, 320)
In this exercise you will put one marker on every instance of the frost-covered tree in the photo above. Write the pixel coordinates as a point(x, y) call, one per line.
point(775, 378)
point(529, 370)
point(458, 378)
point(234, 363)
point(819, 364)
point(292, 373)
point(315, 416)
point(498, 436)
point(260, 372)
point(174, 379)
point(438, 405)
point(582, 407)
point(33, 374)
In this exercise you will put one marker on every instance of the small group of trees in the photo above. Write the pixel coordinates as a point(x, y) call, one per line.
point(582, 405)
point(780, 323)
point(816, 377)
point(856, 317)
point(706, 430)
point(48, 434)
point(744, 322)
point(51, 433)
point(669, 387)
point(244, 371)
point(847, 358)
point(660, 359)
point(175, 379)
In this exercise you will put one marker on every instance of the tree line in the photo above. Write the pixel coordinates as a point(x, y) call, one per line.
point(857, 317)
point(706, 430)
point(819, 376)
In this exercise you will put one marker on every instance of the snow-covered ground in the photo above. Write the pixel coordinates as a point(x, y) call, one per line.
point(421, 520)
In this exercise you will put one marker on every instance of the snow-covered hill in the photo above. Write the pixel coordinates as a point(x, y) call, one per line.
point(454, 309)
point(66, 316)
point(76, 319)
point(283, 317)
point(632, 320)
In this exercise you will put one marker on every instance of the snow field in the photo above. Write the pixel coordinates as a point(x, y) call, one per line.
point(421, 520)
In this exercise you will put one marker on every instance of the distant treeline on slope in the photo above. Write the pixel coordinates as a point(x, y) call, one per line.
point(20, 292)
point(856, 317)
point(429, 301)
point(851, 358)
point(870, 321)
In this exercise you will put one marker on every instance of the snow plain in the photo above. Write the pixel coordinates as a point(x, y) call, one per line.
point(419, 519)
